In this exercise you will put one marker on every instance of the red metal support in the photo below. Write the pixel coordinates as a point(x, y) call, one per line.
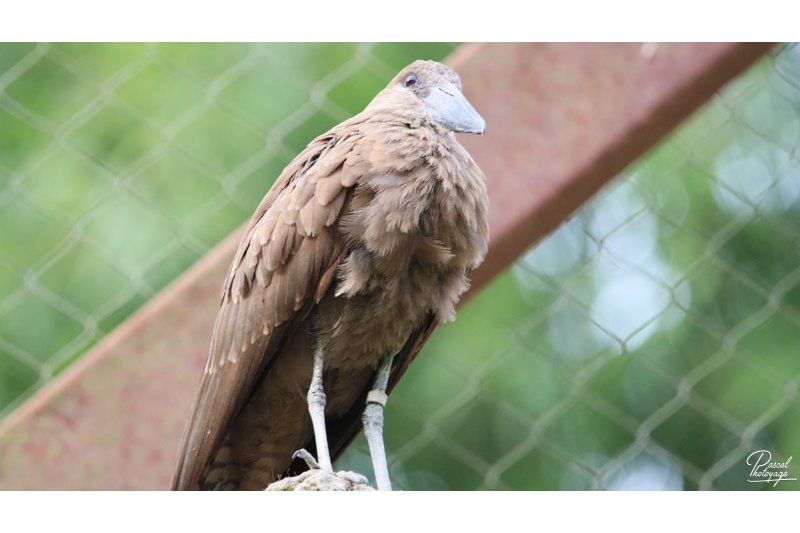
point(563, 120)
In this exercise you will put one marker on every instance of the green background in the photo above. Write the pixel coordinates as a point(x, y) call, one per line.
point(650, 342)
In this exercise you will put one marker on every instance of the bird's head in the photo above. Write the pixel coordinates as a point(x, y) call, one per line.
point(437, 90)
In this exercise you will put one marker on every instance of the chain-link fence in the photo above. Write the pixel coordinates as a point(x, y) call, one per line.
point(121, 165)
point(651, 341)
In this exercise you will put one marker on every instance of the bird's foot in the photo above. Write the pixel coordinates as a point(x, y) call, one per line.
point(318, 479)
point(306, 456)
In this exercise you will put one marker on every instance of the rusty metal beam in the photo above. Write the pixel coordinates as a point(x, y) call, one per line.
point(563, 120)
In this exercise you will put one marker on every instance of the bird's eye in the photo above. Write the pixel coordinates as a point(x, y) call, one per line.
point(410, 80)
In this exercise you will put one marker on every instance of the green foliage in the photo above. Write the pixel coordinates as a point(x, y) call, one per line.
point(651, 341)
point(122, 164)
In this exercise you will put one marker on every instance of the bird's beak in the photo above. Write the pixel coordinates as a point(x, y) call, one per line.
point(448, 107)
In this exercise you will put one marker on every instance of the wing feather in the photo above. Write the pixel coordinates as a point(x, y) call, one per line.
point(283, 265)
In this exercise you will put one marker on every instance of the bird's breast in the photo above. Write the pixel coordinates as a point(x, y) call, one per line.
point(412, 241)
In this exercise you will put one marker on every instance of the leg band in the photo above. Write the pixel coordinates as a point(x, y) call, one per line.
point(376, 396)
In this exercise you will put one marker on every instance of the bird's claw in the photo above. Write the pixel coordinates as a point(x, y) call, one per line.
point(304, 454)
point(322, 480)
point(354, 478)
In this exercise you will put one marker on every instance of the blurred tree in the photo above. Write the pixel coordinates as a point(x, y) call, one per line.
point(650, 342)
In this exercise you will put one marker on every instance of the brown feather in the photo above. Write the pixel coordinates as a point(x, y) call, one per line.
point(361, 247)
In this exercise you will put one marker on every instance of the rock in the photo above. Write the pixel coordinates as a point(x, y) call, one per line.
point(321, 480)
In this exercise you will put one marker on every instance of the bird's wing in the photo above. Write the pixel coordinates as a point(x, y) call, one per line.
point(284, 264)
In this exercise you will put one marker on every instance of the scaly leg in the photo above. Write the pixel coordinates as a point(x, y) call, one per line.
point(316, 408)
point(373, 423)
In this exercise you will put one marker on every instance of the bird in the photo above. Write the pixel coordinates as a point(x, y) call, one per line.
point(360, 249)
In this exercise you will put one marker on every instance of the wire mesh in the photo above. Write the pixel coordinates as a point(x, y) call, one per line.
point(123, 164)
point(650, 342)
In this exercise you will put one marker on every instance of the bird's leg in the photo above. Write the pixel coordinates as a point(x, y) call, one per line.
point(373, 423)
point(316, 408)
